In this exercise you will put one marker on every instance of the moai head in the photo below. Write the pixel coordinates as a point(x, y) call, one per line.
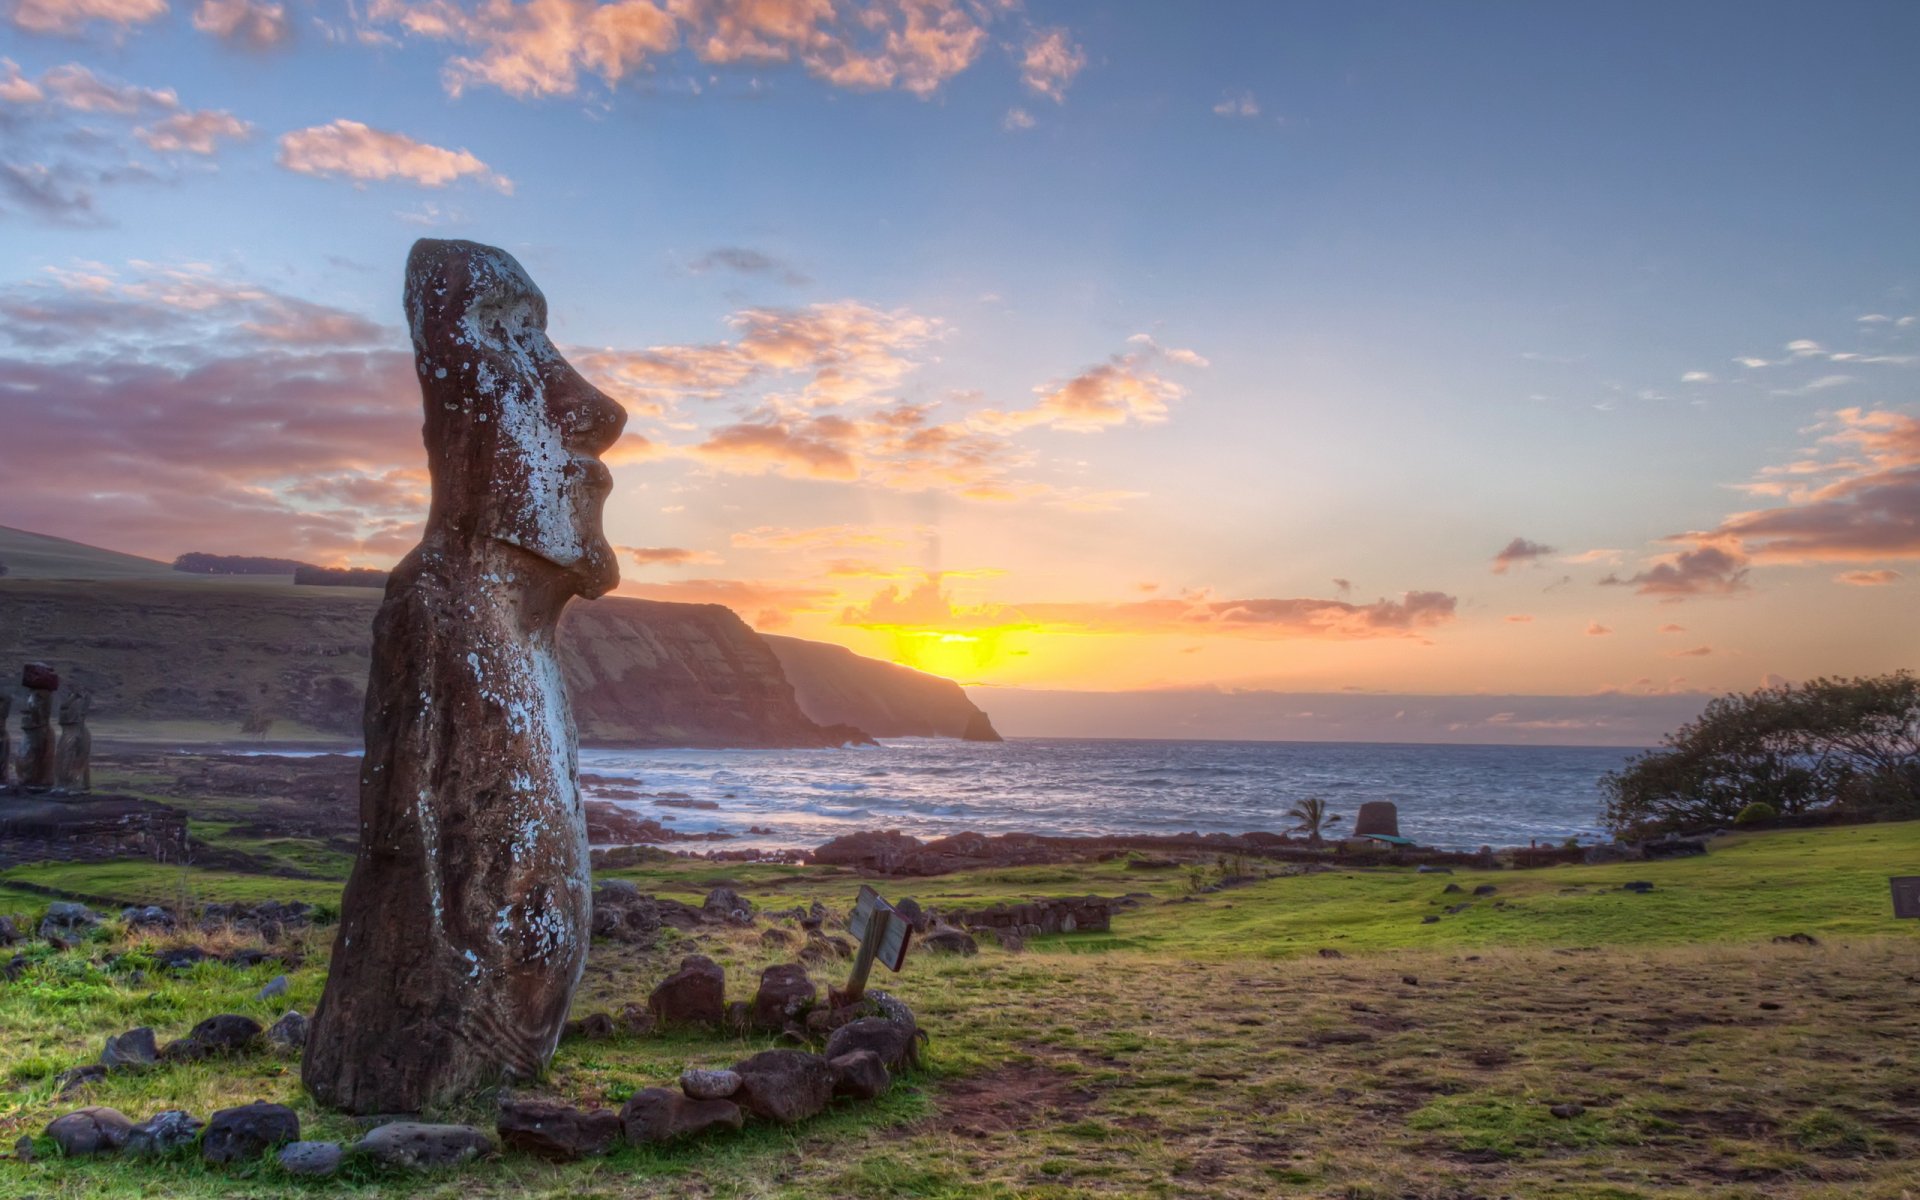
point(73, 709)
point(513, 432)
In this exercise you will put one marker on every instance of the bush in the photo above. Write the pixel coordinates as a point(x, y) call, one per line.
point(1828, 744)
point(1757, 813)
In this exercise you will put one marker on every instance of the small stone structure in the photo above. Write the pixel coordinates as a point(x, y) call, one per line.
point(73, 757)
point(464, 926)
point(1074, 914)
point(1377, 817)
point(38, 745)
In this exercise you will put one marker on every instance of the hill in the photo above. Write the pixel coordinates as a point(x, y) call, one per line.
point(835, 686)
point(37, 556)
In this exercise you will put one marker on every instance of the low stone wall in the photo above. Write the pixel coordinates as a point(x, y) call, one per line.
point(89, 828)
point(1070, 914)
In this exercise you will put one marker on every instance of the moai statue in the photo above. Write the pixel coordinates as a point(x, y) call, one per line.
point(37, 745)
point(73, 760)
point(464, 926)
point(6, 739)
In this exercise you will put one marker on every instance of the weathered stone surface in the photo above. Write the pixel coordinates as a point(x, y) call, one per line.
point(950, 941)
point(245, 1133)
point(315, 1160)
point(895, 1043)
point(417, 1146)
point(37, 740)
point(662, 1115)
point(273, 989)
point(784, 1085)
point(1377, 816)
point(75, 1079)
point(73, 754)
point(90, 1131)
point(557, 1132)
point(696, 994)
point(151, 916)
point(465, 924)
point(228, 1033)
point(164, 1133)
point(289, 1032)
point(134, 1048)
point(594, 1027)
point(725, 902)
point(784, 995)
point(707, 1084)
point(68, 922)
point(859, 1075)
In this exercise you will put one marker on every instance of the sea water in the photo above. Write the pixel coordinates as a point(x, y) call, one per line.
point(1456, 797)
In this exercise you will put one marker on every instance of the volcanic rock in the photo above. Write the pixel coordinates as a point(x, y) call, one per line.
point(164, 1133)
point(245, 1133)
point(659, 1115)
point(417, 1146)
point(785, 992)
point(90, 1131)
point(696, 994)
point(859, 1075)
point(895, 1043)
point(784, 1085)
point(315, 1160)
point(699, 1084)
point(557, 1132)
point(228, 1033)
point(134, 1048)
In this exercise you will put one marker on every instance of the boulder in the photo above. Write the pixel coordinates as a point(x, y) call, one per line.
point(273, 989)
point(179, 958)
point(151, 916)
point(785, 994)
point(950, 941)
point(895, 1043)
point(696, 994)
point(557, 1132)
point(635, 1020)
point(1641, 886)
point(134, 1048)
point(859, 1075)
point(784, 1085)
point(228, 1033)
point(315, 1160)
point(594, 1027)
point(776, 939)
point(68, 922)
point(1485, 889)
point(699, 1084)
point(245, 1133)
point(289, 1032)
point(1377, 817)
point(75, 1078)
point(874, 852)
point(725, 902)
point(654, 1115)
point(90, 1131)
point(164, 1133)
point(417, 1146)
point(9, 931)
point(909, 910)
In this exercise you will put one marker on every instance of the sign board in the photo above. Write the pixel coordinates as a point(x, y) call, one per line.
point(1906, 895)
point(891, 952)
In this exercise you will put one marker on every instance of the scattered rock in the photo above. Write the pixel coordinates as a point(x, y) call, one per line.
point(23, 1148)
point(289, 1032)
point(1567, 1112)
point(594, 1027)
point(895, 1044)
point(1329, 952)
point(9, 931)
point(1641, 886)
point(784, 1085)
point(68, 922)
point(635, 1020)
point(1410, 980)
point(1430, 869)
point(150, 917)
point(245, 1133)
point(703, 1084)
point(785, 994)
point(76, 1078)
point(951, 941)
point(909, 910)
point(179, 958)
point(726, 902)
point(417, 1146)
point(660, 1115)
point(696, 994)
point(274, 989)
point(1452, 889)
point(164, 1133)
point(1429, 919)
point(776, 938)
point(557, 1132)
point(135, 1048)
point(1796, 939)
point(1485, 889)
point(859, 1075)
point(312, 1159)
point(90, 1131)
point(228, 1033)
point(1770, 1005)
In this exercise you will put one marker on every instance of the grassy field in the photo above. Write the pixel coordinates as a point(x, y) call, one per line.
point(1204, 1047)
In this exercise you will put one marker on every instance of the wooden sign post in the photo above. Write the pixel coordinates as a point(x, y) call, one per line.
point(1906, 895)
point(883, 935)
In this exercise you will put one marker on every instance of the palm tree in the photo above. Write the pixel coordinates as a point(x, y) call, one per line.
point(1311, 818)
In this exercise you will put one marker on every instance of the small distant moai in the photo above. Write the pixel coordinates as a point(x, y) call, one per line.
point(38, 747)
point(1377, 817)
point(73, 765)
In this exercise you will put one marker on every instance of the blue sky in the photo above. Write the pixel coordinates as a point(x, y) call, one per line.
point(1225, 303)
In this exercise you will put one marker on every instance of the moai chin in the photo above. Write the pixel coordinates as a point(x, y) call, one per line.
point(37, 741)
point(73, 759)
point(465, 923)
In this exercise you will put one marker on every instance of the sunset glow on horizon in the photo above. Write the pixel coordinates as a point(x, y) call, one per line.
point(1391, 348)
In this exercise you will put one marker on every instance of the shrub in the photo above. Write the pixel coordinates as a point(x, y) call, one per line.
point(1827, 743)
point(1757, 813)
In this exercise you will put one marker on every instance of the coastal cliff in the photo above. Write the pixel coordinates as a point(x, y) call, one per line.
point(836, 686)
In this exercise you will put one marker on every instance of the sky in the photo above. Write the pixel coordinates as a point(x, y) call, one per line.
point(1475, 349)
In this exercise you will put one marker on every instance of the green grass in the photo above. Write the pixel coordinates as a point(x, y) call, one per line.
point(1201, 1048)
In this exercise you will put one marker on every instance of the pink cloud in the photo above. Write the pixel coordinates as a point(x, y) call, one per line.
point(1880, 578)
point(350, 150)
point(1049, 62)
point(1702, 571)
point(67, 18)
point(247, 24)
point(1518, 551)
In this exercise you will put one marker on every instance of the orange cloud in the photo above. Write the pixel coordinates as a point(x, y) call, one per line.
point(669, 556)
point(347, 149)
point(1880, 578)
point(1702, 571)
point(763, 605)
point(1049, 63)
point(1124, 388)
point(1870, 511)
point(1519, 550)
point(1596, 629)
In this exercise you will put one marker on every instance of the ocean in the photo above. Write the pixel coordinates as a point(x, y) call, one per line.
point(1454, 797)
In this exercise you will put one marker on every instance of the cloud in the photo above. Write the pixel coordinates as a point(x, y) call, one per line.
point(818, 537)
point(1238, 104)
point(761, 604)
point(744, 261)
point(1696, 652)
point(1520, 619)
point(1049, 63)
point(1697, 377)
point(1517, 551)
point(1128, 387)
point(546, 47)
point(1601, 554)
point(1880, 578)
point(1702, 571)
point(68, 18)
point(74, 86)
point(1596, 629)
point(1672, 628)
point(347, 149)
point(246, 24)
point(194, 132)
point(1016, 120)
point(669, 556)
